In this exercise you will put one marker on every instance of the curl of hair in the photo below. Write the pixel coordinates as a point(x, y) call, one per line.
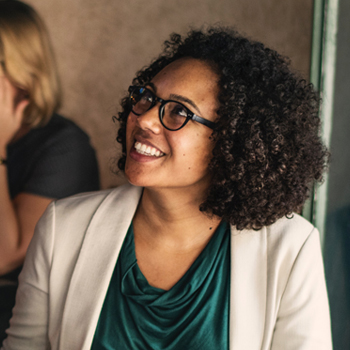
point(268, 152)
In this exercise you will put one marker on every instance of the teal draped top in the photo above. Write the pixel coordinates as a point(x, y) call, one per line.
point(193, 314)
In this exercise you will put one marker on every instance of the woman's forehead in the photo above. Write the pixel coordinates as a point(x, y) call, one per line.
point(187, 75)
point(188, 67)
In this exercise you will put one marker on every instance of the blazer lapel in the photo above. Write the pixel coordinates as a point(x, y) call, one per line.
point(95, 265)
point(248, 288)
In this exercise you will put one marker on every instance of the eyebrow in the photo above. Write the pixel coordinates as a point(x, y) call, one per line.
point(179, 98)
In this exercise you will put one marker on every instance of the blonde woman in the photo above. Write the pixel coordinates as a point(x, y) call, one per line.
point(42, 155)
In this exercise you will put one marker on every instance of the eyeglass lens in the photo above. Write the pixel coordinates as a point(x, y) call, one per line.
point(173, 114)
point(141, 100)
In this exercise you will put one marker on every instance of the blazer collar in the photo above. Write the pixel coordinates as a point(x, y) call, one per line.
point(93, 272)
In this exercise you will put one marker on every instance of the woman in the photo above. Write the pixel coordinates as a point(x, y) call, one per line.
point(42, 155)
point(202, 251)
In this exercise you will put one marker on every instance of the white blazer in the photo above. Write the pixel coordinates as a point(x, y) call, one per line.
point(278, 294)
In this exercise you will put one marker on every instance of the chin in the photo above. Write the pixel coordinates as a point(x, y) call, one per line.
point(135, 183)
point(136, 179)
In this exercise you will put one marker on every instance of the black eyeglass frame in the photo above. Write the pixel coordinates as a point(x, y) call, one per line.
point(155, 99)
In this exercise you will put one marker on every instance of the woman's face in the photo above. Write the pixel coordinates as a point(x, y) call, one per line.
point(175, 159)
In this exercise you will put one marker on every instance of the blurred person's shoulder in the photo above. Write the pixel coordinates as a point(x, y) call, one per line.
point(59, 126)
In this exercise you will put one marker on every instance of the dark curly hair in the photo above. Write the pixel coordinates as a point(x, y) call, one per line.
point(267, 151)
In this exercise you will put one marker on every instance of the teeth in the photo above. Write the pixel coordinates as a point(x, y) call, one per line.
point(147, 150)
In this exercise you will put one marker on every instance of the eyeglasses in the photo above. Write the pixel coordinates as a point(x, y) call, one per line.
point(172, 114)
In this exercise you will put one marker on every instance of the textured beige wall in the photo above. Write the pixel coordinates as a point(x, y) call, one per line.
point(100, 44)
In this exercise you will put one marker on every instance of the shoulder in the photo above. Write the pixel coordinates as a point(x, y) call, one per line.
point(59, 128)
point(58, 133)
point(88, 203)
point(283, 241)
point(66, 221)
point(54, 161)
point(70, 217)
point(60, 123)
point(285, 230)
point(292, 245)
point(289, 234)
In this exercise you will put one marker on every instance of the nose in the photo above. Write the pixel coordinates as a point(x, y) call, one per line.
point(150, 120)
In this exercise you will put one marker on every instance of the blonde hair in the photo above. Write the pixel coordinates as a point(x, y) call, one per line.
point(27, 60)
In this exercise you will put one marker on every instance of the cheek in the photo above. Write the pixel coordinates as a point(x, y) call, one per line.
point(130, 125)
point(196, 154)
point(205, 151)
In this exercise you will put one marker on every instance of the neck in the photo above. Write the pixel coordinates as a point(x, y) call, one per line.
point(173, 216)
point(23, 130)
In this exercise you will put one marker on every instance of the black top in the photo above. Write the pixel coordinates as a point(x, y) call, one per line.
point(53, 161)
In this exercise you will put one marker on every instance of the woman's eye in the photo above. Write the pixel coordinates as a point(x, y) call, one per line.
point(147, 97)
point(179, 110)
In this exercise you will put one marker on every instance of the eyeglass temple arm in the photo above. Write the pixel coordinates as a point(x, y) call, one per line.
point(206, 122)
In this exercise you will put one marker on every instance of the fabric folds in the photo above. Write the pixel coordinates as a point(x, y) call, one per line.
point(193, 314)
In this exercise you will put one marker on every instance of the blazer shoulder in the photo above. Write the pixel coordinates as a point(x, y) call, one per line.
point(287, 236)
point(91, 201)
point(293, 228)
point(76, 212)
point(284, 238)
point(67, 220)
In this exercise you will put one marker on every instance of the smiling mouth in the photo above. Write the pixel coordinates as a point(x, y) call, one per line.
point(147, 150)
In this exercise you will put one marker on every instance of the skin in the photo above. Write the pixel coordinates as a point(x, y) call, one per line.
point(19, 216)
point(170, 231)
